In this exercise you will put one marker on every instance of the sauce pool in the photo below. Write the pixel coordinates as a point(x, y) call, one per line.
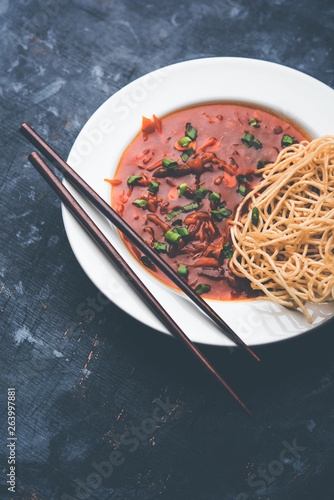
point(231, 142)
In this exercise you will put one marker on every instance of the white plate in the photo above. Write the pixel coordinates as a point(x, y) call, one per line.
point(97, 151)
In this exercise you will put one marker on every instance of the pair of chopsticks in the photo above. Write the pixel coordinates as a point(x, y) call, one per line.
point(78, 212)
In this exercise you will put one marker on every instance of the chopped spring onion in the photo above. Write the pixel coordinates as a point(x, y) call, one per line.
point(185, 141)
point(242, 190)
point(134, 179)
point(287, 140)
point(222, 213)
point(249, 141)
point(255, 216)
point(167, 163)
point(173, 214)
point(202, 289)
point(241, 179)
point(181, 189)
point(189, 208)
point(177, 222)
point(200, 193)
point(222, 204)
point(191, 132)
point(260, 164)
point(215, 197)
point(140, 203)
point(153, 187)
point(185, 156)
point(172, 237)
point(182, 231)
point(183, 271)
point(160, 247)
point(227, 251)
point(253, 122)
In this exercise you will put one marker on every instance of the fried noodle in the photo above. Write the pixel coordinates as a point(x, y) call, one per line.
point(289, 254)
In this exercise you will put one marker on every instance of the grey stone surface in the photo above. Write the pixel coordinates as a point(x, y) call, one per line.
point(85, 384)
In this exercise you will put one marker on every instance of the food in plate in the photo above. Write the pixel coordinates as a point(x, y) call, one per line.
point(283, 230)
point(180, 181)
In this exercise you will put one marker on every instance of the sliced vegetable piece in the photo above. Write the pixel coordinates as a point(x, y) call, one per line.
point(242, 190)
point(191, 206)
point(222, 213)
point(177, 222)
point(287, 140)
point(134, 179)
point(160, 247)
point(173, 214)
point(249, 141)
point(191, 131)
point(255, 216)
point(253, 122)
point(183, 271)
point(182, 231)
point(181, 189)
point(241, 179)
point(202, 288)
point(227, 251)
point(140, 203)
point(157, 123)
point(168, 163)
point(172, 237)
point(200, 193)
point(215, 197)
point(148, 126)
point(185, 141)
point(153, 187)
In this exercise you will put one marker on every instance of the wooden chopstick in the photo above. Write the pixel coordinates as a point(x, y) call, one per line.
point(76, 209)
point(122, 225)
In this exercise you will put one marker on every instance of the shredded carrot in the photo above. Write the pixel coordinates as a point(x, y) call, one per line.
point(143, 182)
point(157, 123)
point(119, 209)
point(173, 194)
point(113, 182)
point(211, 143)
point(156, 165)
point(256, 116)
point(147, 126)
point(229, 180)
point(184, 148)
point(123, 197)
point(206, 262)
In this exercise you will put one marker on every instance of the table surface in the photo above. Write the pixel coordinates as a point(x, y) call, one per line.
point(107, 408)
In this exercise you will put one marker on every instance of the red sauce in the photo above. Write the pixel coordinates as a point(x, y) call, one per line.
point(220, 156)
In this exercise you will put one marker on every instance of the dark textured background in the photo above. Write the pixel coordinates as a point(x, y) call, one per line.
point(83, 382)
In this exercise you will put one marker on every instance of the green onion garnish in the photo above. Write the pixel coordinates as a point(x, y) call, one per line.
point(202, 289)
point(160, 247)
point(222, 204)
point(227, 251)
point(191, 132)
point(200, 193)
point(182, 231)
point(189, 208)
point(173, 214)
point(134, 179)
point(185, 156)
point(215, 197)
point(222, 213)
point(153, 187)
point(249, 141)
point(181, 189)
point(242, 190)
point(253, 122)
point(287, 140)
point(256, 144)
point(241, 179)
point(140, 203)
point(260, 164)
point(167, 163)
point(183, 271)
point(185, 141)
point(177, 222)
point(172, 237)
point(255, 216)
